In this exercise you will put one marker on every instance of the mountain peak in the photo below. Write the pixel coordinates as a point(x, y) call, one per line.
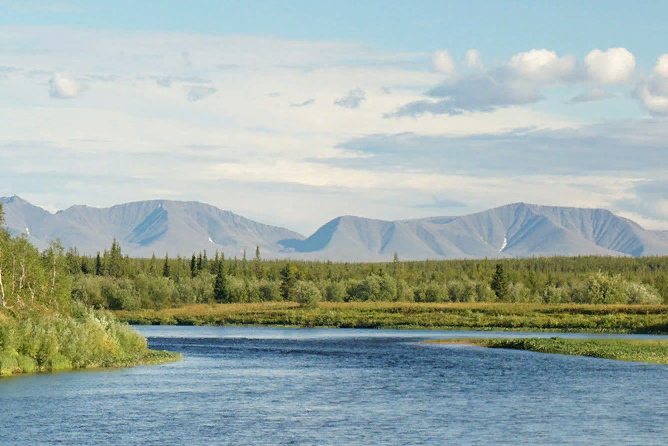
point(183, 227)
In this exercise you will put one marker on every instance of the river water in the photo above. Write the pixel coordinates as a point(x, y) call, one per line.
point(248, 385)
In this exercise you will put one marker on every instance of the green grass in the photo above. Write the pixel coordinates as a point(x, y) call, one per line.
point(635, 350)
point(462, 316)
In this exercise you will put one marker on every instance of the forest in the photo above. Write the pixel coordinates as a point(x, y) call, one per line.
point(42, 328)
point(113, 281)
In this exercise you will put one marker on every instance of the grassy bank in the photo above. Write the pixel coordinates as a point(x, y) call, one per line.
point(468, 316)
point(654, 351)
point(43, 342)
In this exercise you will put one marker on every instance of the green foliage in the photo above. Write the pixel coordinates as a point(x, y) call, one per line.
point(220, 291)
point(288, 281)
point(165, 268)
point(653, 351)
point(307, 295)
point(466, 316)
point(37, 341)
point(500, 283)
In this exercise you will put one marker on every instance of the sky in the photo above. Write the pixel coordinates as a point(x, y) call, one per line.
point(294, 113)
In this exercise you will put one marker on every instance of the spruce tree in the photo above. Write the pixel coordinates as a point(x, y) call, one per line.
point(98, 265)
point(220, 293)
point(193, 266)
point(500, 283)
point(257, 264)
point(165, 268)
point(288, 282)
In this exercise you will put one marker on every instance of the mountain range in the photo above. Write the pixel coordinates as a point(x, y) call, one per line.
point(177, 227)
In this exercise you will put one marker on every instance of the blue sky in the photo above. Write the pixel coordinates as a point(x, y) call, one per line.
point(310, 110)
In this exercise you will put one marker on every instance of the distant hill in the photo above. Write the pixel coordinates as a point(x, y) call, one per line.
point(145, 227)
point(514, 230)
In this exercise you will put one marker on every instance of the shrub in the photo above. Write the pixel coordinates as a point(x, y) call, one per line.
point(642, 294)
point(336, 292)
point(307, 294)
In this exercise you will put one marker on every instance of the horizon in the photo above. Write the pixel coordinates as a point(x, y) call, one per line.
point(293, 114)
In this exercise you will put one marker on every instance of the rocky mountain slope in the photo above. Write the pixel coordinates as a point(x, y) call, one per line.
point(514, 230)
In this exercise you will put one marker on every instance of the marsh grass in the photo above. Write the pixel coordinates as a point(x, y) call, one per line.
point(635, 350)
point(469, 316)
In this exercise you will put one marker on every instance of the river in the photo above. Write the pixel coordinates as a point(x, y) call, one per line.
point(258, 385)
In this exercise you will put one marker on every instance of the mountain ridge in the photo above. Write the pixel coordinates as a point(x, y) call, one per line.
point(183, 227)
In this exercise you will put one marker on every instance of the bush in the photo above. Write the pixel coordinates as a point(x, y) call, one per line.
point(336, 292)
point(307, 295)
point(639, 294)
point(270, 291)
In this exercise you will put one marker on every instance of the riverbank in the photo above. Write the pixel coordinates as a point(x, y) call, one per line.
point(49, 342)
point(652, 351)
point(469, 316)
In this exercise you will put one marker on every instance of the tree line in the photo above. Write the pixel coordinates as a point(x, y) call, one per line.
point(115, 281)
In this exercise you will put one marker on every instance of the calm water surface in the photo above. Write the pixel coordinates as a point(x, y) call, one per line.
point(246, 385)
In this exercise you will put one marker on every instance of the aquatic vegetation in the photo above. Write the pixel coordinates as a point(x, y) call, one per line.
point(653, 350)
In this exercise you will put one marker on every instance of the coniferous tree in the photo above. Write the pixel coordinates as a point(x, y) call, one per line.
point(153, 266)
point(257, 264)
point(193, 266)
point(500, 283)
point(199, 263)
point(98, 265)
point(220, 292)
point(165, 268)
point(288, 282)
point(115, 260)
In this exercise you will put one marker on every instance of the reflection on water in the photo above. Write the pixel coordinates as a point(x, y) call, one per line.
point(247, 385)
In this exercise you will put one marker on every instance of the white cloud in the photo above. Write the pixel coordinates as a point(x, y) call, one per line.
point(542, 66)
point(139, 139)
point(442, 62)
point(353, 99)
point(653, 91)
point(473, 59)
point(661, 68)
point(595, 94)
point(64, 86)
point(613, 66)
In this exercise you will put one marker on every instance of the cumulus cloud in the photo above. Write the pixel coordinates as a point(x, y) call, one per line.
point(614, 66)
point(542, 66)
point(653, 91)
point(199, 92)
point(473, 59)
point(442, 62)
point(64, 86)
point(595, 94)
point(303, 104)
point(516, 82)
point(353, 99)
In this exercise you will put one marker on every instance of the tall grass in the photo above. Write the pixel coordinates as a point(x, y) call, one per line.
point(473, 316)
point(653, 351)
point(42, 341)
